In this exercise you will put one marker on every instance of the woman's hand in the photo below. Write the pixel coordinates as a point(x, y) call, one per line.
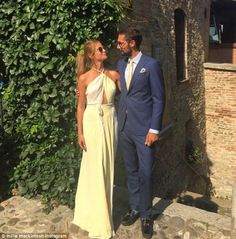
point(81, 143)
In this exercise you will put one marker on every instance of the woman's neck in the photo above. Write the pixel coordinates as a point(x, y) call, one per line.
point(98, 67)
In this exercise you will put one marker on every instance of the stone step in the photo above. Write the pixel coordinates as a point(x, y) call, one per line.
point(173, 220)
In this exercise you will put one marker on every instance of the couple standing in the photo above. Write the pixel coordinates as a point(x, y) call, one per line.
point(140, 80)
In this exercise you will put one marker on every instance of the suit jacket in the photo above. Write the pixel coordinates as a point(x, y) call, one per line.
point(143, 104)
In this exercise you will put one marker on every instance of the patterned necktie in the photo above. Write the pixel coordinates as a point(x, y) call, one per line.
point(130, 73)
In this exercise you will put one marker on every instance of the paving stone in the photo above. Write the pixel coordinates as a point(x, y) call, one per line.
point(177, 222)
point(177, 237)
point(186, 235)
point(227, 233)
point(2, 224)
point(198, 226)
point(33, 223)
point(56, 219)
point(193, 234)
point(4, 229)
point(13, 221)
point(219, 235)
point(73, 228)
point(160, 235)
point(52, 228)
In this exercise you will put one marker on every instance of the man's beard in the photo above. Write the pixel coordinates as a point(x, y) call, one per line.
point(126, 54)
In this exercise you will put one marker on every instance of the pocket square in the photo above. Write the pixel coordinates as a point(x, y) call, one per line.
point(143, 70)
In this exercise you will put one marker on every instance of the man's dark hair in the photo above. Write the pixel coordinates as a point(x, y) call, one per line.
point(132, 34)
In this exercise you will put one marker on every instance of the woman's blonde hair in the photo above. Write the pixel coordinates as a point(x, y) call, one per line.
point(84, 58)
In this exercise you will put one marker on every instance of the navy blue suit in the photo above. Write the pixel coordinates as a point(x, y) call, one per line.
point(140, 108)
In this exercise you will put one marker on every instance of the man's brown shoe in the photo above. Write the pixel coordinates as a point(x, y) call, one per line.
point(130, 218)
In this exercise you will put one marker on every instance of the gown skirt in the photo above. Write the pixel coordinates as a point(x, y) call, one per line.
point(93, 201)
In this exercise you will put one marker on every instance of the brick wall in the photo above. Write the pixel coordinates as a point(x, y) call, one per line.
point(220, 110)
point(222, 53)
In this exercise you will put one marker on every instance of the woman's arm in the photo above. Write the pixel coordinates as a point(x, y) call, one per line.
point(80, 111)
point(118, 83)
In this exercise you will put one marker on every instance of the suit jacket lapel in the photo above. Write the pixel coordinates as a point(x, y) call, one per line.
point(122, 77)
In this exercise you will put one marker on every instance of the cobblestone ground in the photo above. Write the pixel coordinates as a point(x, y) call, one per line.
point(24, 218)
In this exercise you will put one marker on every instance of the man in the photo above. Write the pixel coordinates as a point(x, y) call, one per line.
point(139, 122)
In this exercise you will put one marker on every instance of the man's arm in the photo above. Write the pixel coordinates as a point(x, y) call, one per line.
point(158, 97)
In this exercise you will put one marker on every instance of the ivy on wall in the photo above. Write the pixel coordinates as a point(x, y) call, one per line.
point(38, 42)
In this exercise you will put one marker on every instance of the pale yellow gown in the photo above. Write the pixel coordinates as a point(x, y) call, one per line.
point(93, 202)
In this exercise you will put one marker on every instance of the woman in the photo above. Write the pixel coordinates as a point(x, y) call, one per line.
point(97, 136)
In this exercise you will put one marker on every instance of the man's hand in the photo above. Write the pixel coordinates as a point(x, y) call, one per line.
point(151, 138)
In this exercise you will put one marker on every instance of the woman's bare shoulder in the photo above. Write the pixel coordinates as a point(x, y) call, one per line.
point(84, 77)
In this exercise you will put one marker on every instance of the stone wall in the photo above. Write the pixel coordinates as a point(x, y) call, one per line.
point(220, 107)
point(184, 119)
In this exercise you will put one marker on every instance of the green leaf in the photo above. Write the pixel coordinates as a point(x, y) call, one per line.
point(34, 129)
point(32, 26)
point(8, 11)
point(47, 67)
point(45, 187)
point(54, 93)
point(41, 18)
point(45, 97)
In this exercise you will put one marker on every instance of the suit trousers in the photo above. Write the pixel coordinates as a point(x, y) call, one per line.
point(138, 160)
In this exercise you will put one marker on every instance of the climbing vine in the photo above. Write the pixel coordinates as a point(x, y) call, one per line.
point(38, 43)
